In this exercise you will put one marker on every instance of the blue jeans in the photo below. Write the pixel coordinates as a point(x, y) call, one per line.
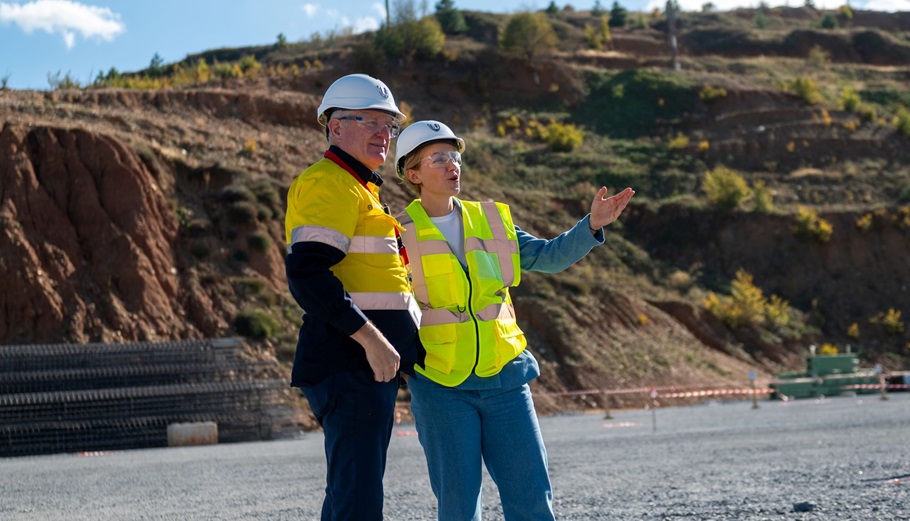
point(459, 429)
point(357, 414)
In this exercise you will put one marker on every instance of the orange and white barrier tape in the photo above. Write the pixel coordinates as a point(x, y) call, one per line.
point(875, 386)
point(714, 392)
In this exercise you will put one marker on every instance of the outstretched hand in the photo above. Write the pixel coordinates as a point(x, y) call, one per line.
point(605, 210)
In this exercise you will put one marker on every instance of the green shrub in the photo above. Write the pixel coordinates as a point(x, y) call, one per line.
point(890, 321)
point(868, 112)
point(561, 137)
point(250, 66)
point(235, 193)
point(414, 38)
point(864, 222)
point(762, 197)
point(902, 122)
point(849, 99)
point(249, 286)
point(255, 323)
point(259, 242)
point(709, 93)
point(242, 212)
point(904, 196)
point(748, 305)
point(528, 34)
point(725, 188)
point(810, 226)
point(806, 88)
point(679, 142)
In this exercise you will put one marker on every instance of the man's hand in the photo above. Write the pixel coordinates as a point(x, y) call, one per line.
point(605, 210)
point(381, 355)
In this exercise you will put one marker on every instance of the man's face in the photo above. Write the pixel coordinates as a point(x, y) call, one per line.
point(365, 134)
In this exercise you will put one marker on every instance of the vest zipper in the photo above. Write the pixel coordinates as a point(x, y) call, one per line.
point(474, 320)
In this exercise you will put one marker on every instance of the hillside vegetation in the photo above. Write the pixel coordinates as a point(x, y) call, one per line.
point(772, 208)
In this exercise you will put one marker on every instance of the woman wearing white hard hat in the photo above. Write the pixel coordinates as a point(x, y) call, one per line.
point(470, 394)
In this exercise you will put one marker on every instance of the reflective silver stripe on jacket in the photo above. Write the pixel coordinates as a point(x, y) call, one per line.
point(373, 244)
point(376, 300)
point(381, 299)
point(435, 317)
point(502, 246)
point(334, 238)
point(323, 234)
point(415, 248)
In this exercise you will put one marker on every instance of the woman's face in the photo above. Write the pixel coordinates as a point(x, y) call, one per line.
point(439, 171)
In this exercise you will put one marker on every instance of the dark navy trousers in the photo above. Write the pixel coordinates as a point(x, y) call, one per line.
point(357, 415)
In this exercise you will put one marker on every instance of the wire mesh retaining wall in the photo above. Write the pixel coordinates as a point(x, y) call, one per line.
point(73, 398)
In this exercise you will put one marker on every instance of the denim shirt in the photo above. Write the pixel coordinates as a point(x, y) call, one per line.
point(548, 256)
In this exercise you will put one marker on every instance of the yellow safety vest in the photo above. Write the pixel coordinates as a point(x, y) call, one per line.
point(328, 204)
point(468, 321)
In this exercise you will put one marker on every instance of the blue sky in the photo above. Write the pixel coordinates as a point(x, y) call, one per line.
point(84, 37)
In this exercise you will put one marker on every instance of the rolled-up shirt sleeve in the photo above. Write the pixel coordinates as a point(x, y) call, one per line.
point(557, 254)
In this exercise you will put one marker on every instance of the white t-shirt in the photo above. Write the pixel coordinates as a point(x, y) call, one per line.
point(451, 227)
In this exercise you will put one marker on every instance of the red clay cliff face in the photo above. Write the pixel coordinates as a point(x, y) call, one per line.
point(86, 241)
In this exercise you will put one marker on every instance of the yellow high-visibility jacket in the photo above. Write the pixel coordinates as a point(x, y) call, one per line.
point(344, 268)
point(468, 321)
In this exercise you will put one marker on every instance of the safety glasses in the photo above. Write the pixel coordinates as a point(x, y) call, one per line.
point(374, 126)
point(442, 159)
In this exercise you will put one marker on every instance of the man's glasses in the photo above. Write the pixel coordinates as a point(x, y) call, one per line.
point(442, 159)
point(374, 126)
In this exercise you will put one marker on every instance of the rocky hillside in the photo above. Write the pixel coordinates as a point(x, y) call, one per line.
point(154, 214)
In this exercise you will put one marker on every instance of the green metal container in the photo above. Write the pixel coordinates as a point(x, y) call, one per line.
point(826, 375)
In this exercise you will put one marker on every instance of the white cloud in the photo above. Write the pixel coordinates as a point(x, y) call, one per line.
point(310, 9)
point(380, 10)
point(367, 23)
point(886, 5)
point(63, 17)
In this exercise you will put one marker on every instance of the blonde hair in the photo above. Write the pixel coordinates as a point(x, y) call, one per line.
point(412, 161)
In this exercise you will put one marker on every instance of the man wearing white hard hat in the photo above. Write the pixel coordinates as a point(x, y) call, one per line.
point(470, 395)
point(359, 329)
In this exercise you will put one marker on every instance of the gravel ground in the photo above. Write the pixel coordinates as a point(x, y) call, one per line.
point(840, 458)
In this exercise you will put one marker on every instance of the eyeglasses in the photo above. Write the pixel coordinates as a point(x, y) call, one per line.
point(374, 126)
point(442, 159)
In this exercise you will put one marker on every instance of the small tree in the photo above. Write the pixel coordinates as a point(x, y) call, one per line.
point(282, 41)
point(528, 34)
point(552, 8)
point(829, 21)
point(451, 19)
point(619, 16)
point(156, 66)
point(598, 9)
point(410, 39)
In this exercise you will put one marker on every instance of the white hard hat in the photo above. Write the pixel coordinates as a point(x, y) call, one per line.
point(357, 92)
point(419, 133)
